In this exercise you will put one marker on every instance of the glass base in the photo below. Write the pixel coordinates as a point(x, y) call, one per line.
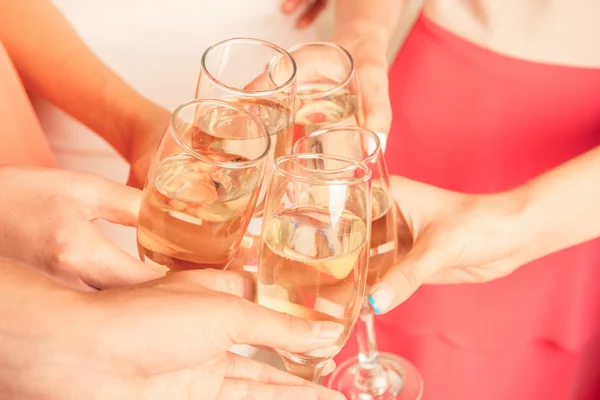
point(405, 380)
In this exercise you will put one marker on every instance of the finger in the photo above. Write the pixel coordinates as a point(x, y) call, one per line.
point(113, 202)
point(289, 6)
point(242, 389)
point(375, 97)
point(236, 283)
point(329, 368)
point(244, 368)
point(403, 279)
point(466, 275)
point(261, 82)
point(107, 266)
point(309, 16)
point(249, 323)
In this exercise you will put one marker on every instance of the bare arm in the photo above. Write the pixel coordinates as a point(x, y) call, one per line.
point(449, 237)
point(56, 64)
point(562, 206)
point(364, 28)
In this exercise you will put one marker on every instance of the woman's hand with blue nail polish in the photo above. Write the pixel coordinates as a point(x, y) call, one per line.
point(448, 237)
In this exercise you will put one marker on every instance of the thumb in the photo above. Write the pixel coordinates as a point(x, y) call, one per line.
point(261, 82)
point(114, 202)
point(249, 323)
point(377, 108)
point(403, 279)
point(108, 266)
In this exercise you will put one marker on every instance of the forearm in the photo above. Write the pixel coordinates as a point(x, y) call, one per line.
point(55, 63)
point(377, 19)
point(561, 208)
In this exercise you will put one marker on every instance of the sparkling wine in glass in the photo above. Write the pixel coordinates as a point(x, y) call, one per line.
point(260, 77)
point(202, 187)
point(371, 375)
point(315, 247)
point(327, 88)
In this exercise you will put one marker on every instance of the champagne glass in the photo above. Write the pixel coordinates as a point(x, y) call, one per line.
point(260, 77)
point(202, 186)
point(315, 247)
point(327, 88)
point(371, 375)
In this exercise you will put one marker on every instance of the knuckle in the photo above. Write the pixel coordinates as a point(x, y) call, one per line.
point(291, 323)
point(62, 252)
point(232, 283)
point(409, 275)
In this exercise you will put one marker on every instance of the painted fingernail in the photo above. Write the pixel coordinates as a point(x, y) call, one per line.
point(326, 329)
point(381, 300)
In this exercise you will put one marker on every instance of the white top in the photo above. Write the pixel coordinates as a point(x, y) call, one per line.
point(156, 46)
point(563, 32)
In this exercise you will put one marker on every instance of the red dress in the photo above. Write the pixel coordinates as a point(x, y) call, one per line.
point(472, 120)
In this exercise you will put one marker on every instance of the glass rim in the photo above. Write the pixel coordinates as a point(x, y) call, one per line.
point(371, 157)
point(344, 82)
point(250, 93)
point(177, 133)
point(322, 179)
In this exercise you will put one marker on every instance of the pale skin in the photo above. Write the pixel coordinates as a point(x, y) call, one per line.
point(56, 64)
point(364, 28)
point(449, 237)
point(51, 226)
point(446, 236)
point(167, 339)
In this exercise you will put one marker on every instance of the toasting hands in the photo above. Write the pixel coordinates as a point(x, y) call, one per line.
point(450, 237)
point(47, 221)
point(164, 339)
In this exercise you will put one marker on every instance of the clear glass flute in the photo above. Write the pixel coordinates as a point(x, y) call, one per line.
point(327, 88)
point(315, 247)
point(260, 77)
point(202, 186)
point(371, 375)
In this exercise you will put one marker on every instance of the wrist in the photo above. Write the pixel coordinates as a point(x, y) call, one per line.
point(523, 228)
point(128, 115)
point(363, 38)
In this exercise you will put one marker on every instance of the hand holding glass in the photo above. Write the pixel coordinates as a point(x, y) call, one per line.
point(202, 187)
point(371, 375)
point(327, 88)
point(315, 247)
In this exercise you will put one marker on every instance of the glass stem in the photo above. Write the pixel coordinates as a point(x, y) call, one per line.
point(371, 377)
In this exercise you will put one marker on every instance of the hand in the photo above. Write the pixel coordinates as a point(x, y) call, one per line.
point(47, 221)
point(165, 339)
point(368, 49)
point(448, 237)
point(144, 142)
point(312, 9)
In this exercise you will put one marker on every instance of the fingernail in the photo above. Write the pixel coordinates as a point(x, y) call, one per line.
point(326, 329)
point(381, 300)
